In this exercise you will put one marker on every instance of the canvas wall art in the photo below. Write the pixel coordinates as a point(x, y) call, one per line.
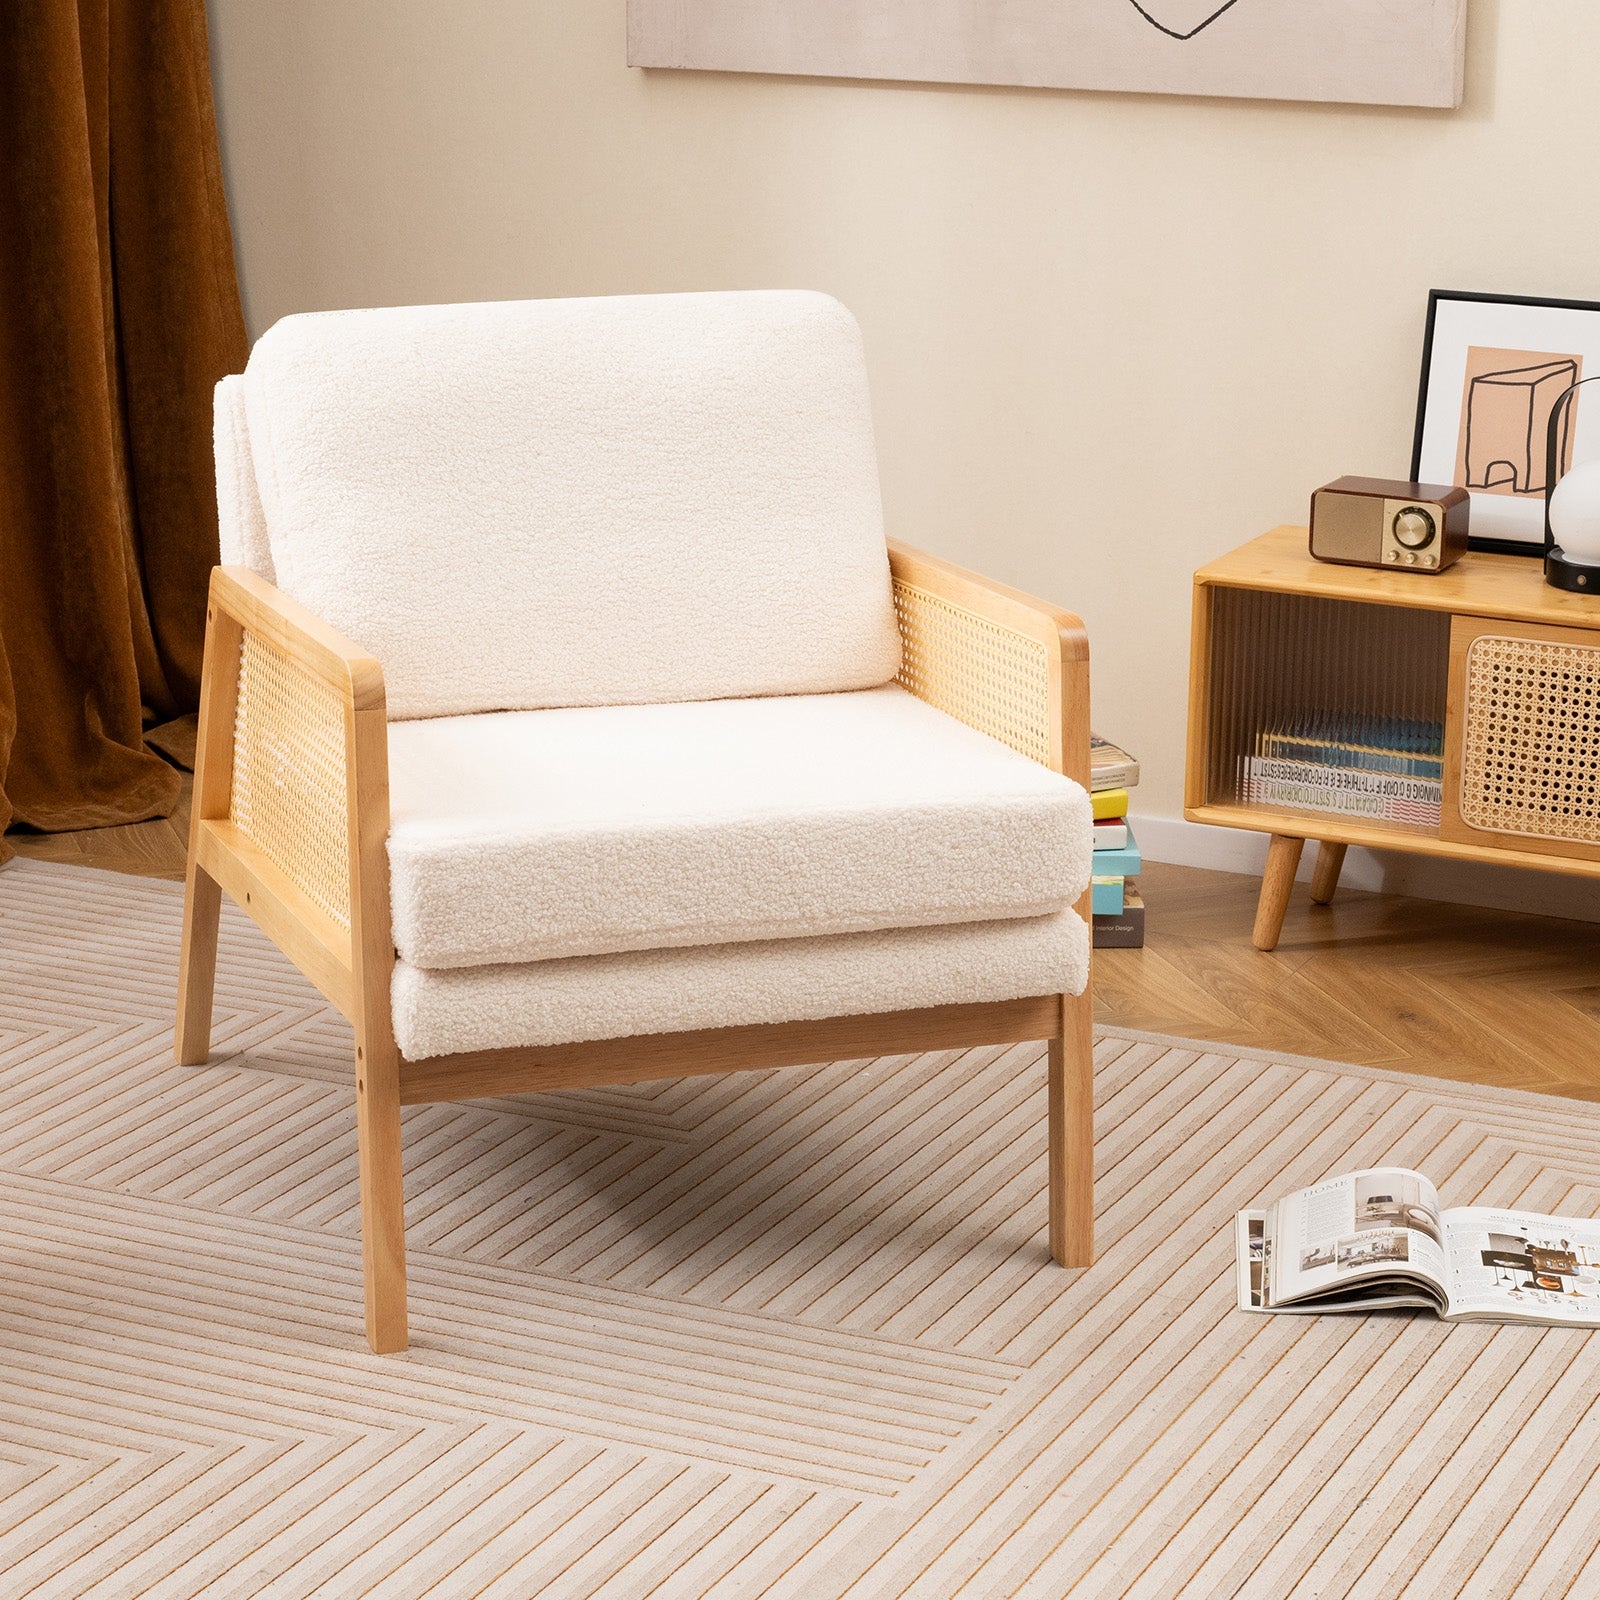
point(1381, 52)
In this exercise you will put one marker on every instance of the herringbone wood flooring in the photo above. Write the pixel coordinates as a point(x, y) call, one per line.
point(1482, 996)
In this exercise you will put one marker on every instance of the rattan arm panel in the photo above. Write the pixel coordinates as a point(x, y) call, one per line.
point(277, 790)
point(299, 682)
point(994, 658)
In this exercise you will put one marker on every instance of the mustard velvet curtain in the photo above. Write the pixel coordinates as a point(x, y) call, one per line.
point(119, 310)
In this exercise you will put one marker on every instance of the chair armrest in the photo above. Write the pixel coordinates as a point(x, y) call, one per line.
point(994, 658)
point(291, 810)
point(292, 631)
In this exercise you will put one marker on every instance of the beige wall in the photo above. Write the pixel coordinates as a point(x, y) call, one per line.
point(1109, 336)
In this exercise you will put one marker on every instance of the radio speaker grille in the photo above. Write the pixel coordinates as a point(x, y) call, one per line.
point(1530, 758)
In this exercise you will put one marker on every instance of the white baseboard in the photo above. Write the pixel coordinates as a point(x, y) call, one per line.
point(1550, 894)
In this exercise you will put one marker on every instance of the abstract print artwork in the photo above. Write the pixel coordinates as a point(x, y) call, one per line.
point(1507, 397)
point(1380, 52)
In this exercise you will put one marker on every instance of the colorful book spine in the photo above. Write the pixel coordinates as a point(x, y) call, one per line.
point(1125, 929)
point(1110, 766)
point(1110, 803)
point(1400, 745)
point(1363, 758)
point(1111, 834)
point(1123, 863)
point(1106, 896)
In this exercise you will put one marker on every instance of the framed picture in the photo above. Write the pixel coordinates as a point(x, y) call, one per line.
point(1493, 366)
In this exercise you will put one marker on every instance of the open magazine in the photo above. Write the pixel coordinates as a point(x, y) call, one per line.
point(1373, 1239)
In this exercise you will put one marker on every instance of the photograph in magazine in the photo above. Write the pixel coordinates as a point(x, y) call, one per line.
point(1369, 1250)
point(1396, 1200)
point(1252, 1258)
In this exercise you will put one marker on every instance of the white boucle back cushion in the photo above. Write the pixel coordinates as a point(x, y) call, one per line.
point(543, 503)
point(241, 525)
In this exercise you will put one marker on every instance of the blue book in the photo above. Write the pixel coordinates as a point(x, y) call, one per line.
point(1106, 896)
point(1123, 863)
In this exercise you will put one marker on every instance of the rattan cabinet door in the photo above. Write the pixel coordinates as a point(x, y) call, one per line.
point(1522, 738)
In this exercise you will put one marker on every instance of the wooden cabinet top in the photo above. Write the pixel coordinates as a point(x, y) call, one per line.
point(1478, 585)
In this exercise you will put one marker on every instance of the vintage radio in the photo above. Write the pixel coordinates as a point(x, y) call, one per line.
point(1374, 522)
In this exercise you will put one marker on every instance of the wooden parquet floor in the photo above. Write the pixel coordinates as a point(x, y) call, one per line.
point(1478, 995)
point(1481, 996)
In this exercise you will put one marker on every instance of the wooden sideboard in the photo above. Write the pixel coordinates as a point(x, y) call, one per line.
point(1509, 666)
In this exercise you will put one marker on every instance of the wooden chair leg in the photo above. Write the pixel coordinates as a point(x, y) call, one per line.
point(197, 967)
point(383, 1219)
point(1072, 1134)
point(1283, 861)
point(1325, 879)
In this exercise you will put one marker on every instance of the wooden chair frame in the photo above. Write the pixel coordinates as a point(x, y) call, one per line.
point(991, 656)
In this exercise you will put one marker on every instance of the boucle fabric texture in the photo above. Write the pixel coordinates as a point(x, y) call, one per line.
point(241, 523)
point(579, 502)
point(527, 836)
point(729, 985)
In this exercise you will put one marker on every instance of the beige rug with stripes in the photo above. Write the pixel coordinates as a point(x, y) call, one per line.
point(790, 1335)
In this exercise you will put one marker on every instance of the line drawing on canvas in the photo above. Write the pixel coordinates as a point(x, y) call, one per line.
point(1174, 33)
point(1358, 52)
point(1506, 422)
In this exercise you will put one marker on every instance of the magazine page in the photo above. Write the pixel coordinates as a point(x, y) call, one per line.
point(1344, 1233)
point(1253, 1266)
point(1519, 1266)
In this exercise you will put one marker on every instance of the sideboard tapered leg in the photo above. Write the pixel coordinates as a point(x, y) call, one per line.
point(1283, 861)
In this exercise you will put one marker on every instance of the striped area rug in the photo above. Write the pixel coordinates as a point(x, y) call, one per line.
point(790, 1335)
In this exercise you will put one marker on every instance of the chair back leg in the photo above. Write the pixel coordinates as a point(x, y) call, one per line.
point(213, 783)
point(1071, 1133)
point(197, 965)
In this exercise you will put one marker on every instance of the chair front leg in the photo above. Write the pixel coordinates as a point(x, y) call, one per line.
point(383, 1213)
point(383, 1220)
point(1071, 1133)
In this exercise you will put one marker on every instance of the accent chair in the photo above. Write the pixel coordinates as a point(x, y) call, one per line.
point(568, 719)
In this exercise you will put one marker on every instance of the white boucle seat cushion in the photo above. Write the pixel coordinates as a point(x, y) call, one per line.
point(537, 503)
point(734, 985)
point(531, 836)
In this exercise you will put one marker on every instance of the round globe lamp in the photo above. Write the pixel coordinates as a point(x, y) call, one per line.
point(1571, 510)
point(1572, 560)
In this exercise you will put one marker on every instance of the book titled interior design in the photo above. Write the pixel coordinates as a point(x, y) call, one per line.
point(1376, 1239)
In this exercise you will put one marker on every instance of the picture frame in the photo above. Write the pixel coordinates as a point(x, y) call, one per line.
point(1493, 366)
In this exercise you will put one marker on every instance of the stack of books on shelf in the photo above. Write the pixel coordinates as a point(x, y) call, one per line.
point(1118, 907)
point(1388, 769)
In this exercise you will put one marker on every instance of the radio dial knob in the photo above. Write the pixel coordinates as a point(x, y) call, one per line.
point(1413, 528)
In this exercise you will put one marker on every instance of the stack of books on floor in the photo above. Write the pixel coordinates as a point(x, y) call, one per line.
point(1389, 769)
point(1118, 906)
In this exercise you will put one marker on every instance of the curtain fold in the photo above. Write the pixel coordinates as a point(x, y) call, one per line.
point(119, 310)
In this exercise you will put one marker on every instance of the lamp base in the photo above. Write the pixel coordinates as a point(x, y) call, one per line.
point(1562, 571)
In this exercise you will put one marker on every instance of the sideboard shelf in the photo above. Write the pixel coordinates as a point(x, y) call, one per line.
point(1505, 665)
